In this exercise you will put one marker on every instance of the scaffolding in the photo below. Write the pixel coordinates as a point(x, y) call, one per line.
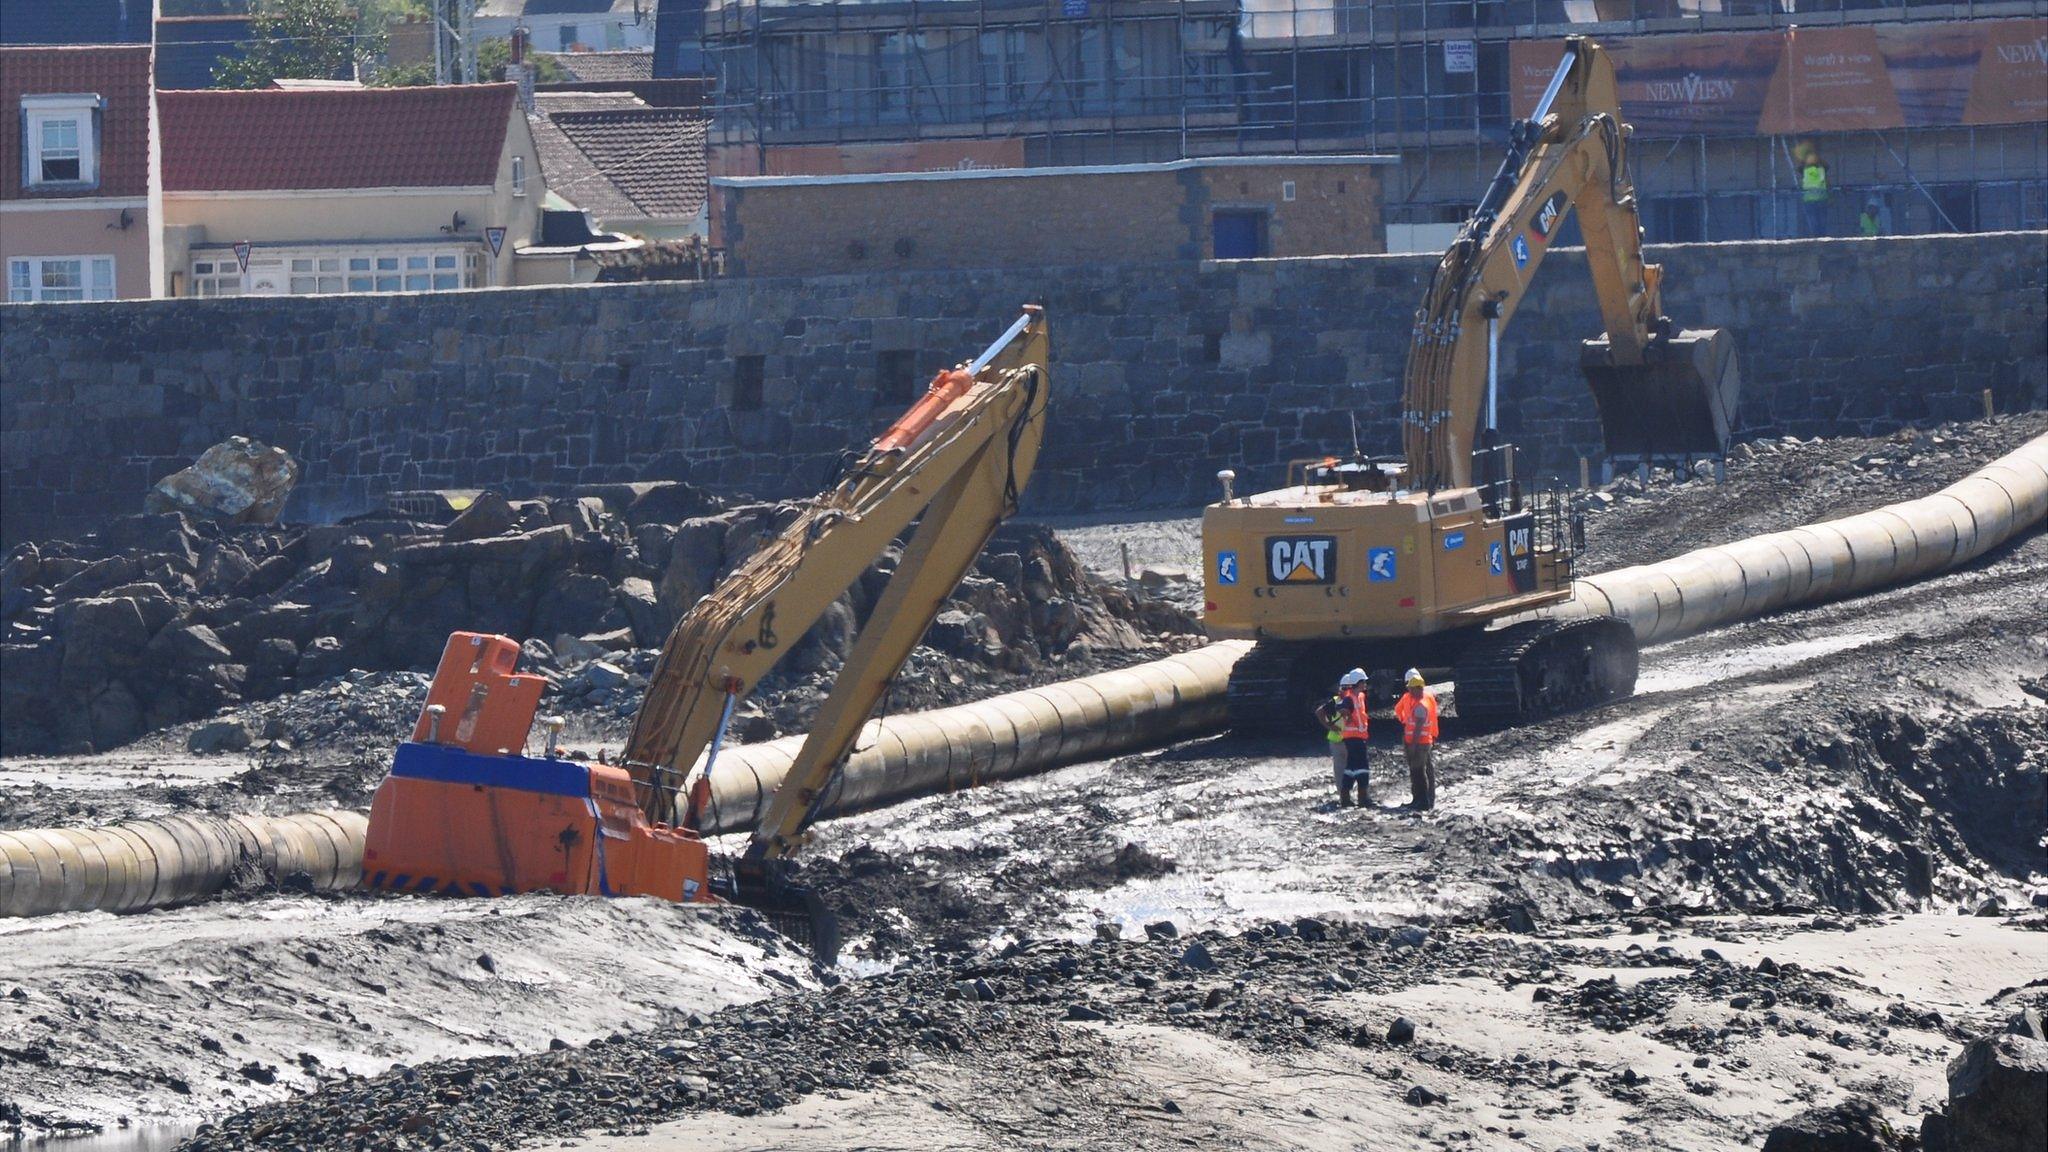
point(1083, 82)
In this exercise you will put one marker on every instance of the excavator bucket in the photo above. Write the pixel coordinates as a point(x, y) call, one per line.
point(1679, 403)
point(793, 910)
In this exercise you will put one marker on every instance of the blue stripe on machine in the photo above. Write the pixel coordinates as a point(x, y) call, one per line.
point(401, 880)
point(456, 766)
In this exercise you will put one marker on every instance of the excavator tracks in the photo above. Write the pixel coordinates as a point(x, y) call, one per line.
point(1542, 668)
point(1266, 692)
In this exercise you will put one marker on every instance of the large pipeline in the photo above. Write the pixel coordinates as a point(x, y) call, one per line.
point(173, 860)
point(160, 862)
point(1712, 587)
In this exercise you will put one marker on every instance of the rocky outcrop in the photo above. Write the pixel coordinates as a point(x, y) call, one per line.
point(1851, 1126)
point(1997, 1094)
point(163, 618)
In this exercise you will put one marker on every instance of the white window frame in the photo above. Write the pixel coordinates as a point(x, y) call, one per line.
point(343, 269)
point(37, 111)
point(519, 175)
point(25, 275)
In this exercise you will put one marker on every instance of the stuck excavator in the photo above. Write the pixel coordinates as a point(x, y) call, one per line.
point(1416, 560)
point(465, 811)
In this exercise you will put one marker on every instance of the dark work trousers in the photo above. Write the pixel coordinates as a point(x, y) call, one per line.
point(1422, 775)
point(1352, 760)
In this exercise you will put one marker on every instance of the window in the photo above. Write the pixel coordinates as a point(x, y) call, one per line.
point(1005, 69)
point(1238, 234)
point(52, 279)
point(565, 37)
point(216, 278)
point(748, 373)
point(896, 377)
point(519, 175)
point(332, 270)
point(890, 57)
point(61, 138)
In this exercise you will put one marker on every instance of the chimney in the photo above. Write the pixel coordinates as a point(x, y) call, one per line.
point(518, 71)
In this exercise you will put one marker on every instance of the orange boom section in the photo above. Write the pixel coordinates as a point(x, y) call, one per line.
point(463, 812)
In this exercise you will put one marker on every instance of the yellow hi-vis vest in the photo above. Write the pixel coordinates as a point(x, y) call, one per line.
point(1813, 183)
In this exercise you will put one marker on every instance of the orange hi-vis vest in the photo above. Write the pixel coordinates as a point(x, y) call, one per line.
point(1351, 709)
point(1417, 715)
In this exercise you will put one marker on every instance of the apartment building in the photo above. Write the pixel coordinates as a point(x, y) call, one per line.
point(1938, 109)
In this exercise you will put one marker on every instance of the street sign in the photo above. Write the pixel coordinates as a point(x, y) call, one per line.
point(496, 237)
point(1074, 9)
point(1461, 57)
point(242, 254)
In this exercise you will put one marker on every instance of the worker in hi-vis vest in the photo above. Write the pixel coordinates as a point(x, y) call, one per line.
point(1344, 715)
point(1418, 712)
point(1813, 190)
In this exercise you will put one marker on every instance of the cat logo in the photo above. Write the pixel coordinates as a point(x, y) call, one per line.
point(1301, 559)
point(1518, 540)
point(1546, 216)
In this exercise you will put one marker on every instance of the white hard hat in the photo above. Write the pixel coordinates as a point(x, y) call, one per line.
point(1355, 676)
point(1413, 676)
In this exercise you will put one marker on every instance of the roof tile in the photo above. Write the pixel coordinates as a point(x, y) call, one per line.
point(271, 140)
point(635, 64)
point(626, 161)
point(118, 75)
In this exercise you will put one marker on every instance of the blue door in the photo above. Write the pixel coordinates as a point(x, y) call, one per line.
point(1237, 235)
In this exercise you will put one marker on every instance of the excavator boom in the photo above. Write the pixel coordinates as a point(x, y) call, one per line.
point(1660, 392)
point(465, 811)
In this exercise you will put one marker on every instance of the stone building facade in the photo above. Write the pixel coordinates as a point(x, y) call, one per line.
point(1235, 207)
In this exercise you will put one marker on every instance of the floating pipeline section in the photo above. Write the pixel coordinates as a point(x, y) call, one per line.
point(153, 863)
point(173, 859)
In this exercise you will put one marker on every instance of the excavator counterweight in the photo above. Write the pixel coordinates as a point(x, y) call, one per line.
point(465, 811)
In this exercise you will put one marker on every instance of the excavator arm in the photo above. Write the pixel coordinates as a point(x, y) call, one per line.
point(465, 811)
point(954, 465)
point(1658, 390)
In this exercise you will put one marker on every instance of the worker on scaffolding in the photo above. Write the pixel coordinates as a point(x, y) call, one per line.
point(1813, 189)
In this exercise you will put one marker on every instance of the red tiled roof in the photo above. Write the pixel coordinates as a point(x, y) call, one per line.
point(269, 140)
point(118, 75)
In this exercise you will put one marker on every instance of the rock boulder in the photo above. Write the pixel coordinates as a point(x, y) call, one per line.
point(238, 481)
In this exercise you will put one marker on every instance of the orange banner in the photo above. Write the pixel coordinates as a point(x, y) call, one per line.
point(1798, 80)
point(1830, 79)
point(2011, 85)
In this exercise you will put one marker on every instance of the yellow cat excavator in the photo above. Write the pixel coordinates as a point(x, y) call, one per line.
point(465, 811)
point(1388, 564)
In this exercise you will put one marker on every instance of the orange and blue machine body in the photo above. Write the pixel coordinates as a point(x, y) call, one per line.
point(465, 811)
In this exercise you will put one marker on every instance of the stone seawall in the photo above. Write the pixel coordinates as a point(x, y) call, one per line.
point(1162, 373)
